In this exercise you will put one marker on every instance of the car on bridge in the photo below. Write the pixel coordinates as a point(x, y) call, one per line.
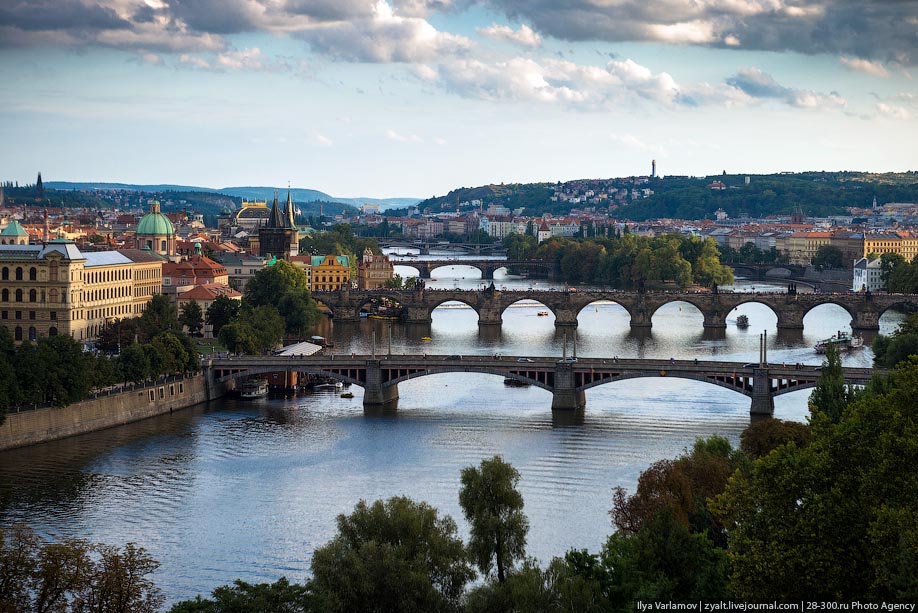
point(524, 360)
point(454, 357)
point(567, 360)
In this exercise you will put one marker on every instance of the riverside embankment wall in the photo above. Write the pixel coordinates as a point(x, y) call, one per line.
point(48, 424)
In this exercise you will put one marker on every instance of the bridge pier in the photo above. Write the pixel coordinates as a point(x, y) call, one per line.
point(423, 269)
point(865, 321)
point(641, 319)
point(346, 314)
point(565, 318)
point(715, 319)
point(566, 396)
point(790, 319)
point(763, 403)
point(418, 315)
point(487, 272)
point(489, 314)
point(375, 393)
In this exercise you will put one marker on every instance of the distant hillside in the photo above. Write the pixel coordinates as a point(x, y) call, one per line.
point(248, 192)
point(816, 193)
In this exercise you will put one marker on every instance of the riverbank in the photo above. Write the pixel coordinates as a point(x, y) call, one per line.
point(41, 425)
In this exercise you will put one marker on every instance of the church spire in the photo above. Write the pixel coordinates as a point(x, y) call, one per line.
point(290, 213)
point(276, 220)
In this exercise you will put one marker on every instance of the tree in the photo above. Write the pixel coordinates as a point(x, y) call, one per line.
point(120, 583)
point(64, 369)
point(192, 317)
point(239, 337)
point(837, 519)
point(494, 508)
point(133, 363)
point(173, 356)
point(889, 262)
point(267, 325)
point(159, 316)
point(397, 555)
point(222, 311)
point(831, 395)
point(762, 437)
point(827, 257)
point(286, 288)
point(278, 597)
point(891, 350)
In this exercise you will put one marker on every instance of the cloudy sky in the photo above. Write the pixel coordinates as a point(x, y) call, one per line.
point(415, 97)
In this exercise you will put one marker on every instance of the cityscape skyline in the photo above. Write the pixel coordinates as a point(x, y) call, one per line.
point(413, 98)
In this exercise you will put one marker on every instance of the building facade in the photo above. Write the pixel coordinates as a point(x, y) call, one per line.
point(279, 237)
point(52, 289)
point(329, 272)
point(867, 275)
point(373, 271)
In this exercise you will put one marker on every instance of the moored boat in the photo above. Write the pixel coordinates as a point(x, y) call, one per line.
point(542, 313)
point(257, 388)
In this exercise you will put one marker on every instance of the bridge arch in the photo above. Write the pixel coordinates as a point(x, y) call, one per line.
point(441, 300)
point(739, 386)
point(544, 383)
point(851, 313)
point(474, 265)
point(537, 305)
point(580, 308)
point(416, 273)
point(905, 303)
point(756, 300)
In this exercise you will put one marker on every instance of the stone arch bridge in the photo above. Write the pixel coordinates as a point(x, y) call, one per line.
point(566, 379)
point(790, 308)
point(425, 268)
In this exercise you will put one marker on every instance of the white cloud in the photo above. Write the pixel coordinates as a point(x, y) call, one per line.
point(383, 36)
point(525, 36)
point(244, 59)
point(194, 61)
point(759, 84)
point(861, 65)
point(402, 138)
point(892, 111)
point(323, 140)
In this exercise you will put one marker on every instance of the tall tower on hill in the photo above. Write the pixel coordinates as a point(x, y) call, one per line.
point(39, 189)
point(653, 168)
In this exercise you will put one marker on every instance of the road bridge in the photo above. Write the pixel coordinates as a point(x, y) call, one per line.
point(425, 268)
point(790, 308)
point(567, 379)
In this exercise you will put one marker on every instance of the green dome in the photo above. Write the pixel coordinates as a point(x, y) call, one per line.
point(155, 224)
point(14, 229)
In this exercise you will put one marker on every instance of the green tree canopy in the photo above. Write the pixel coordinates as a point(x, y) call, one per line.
point(241, 597)
point(494, 508)
point(397, 555)
point(222, 311)
point(192, 318)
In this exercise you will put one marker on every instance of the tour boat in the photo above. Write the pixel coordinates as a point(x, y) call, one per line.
point(542, 313)
point(254, 389)
point(510, 382)
point(742, 322)
point(842, 341)
point(328, 385)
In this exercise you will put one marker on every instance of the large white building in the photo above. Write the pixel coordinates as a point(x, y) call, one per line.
point(867, 275)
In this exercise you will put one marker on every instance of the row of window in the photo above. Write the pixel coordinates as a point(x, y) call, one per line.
point(33, 333)
point(32, 315)
point(5, 274)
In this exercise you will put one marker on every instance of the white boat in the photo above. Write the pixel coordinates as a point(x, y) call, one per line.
point(328, 385)
point(257, 388)
point(842, 341)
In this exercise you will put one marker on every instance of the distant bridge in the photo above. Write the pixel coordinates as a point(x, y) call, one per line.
point(566, 379)
point(487, 267)
point(424, 246)
point(790, 308)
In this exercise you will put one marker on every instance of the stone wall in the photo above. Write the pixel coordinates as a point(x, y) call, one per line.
point(47, 424)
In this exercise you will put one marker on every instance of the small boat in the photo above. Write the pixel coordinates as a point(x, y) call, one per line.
point(542, 313)
point(842, 341)
point(383, 317)
point(510, 382)
point(347, 395)
point(426, 338)
point(742, 322)
point(254, 389)
point(328, 385)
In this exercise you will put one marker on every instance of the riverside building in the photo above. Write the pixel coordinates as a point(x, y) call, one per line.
point(52, 289)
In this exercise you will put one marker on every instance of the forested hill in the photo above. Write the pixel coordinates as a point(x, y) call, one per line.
point(816, 193)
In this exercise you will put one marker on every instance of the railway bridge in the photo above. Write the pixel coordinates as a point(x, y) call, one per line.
point(790, 308)
point(567, 378)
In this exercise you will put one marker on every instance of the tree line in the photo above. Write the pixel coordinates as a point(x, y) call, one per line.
point(627, 261)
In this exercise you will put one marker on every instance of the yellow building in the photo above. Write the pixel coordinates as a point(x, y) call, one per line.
point(905, 245)
point(329, 272)
point(52, 289)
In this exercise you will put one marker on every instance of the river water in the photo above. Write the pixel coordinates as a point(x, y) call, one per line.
point(250, 489)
